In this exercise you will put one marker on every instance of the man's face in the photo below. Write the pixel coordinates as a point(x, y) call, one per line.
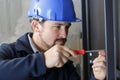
point(53, 32)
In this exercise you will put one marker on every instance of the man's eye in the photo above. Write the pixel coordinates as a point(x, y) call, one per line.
point(58, 27)
point(67, 27)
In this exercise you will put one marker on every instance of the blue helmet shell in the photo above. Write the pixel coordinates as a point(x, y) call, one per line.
point(56, 10)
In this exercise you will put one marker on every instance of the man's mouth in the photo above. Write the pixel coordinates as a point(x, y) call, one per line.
point(60, 41)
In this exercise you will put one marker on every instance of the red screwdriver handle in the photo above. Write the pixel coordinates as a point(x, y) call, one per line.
point(82, 51)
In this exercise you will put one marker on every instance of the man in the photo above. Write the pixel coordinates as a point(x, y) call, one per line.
point(41, 55)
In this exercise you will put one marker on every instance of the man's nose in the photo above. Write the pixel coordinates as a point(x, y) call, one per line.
point(63, 33)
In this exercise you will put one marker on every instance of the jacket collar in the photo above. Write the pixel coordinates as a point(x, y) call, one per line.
point(22, 44)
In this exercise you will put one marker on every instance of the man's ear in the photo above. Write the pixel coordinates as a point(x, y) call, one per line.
point(35, 26)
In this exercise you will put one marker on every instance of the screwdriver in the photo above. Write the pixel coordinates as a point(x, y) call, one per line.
point(82, 51)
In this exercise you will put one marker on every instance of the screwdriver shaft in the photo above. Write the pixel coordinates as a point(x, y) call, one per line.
point(88, 51)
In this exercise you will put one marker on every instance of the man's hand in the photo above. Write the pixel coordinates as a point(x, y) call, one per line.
point(99, 66)
point(58, 55)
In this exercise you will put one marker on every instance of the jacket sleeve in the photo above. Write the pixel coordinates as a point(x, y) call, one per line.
point(32, 65)
point(92, 76)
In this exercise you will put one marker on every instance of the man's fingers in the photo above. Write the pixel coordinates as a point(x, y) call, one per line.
point(99, 59)
point(70, 51)
point(62, 60)
point(99, 64)
point(101, 53)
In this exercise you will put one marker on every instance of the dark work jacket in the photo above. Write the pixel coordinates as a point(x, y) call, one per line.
point(19, 62)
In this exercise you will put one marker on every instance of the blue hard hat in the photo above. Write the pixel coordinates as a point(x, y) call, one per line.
point(56, 10)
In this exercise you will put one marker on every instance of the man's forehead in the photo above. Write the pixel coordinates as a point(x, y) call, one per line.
point(60, 23)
